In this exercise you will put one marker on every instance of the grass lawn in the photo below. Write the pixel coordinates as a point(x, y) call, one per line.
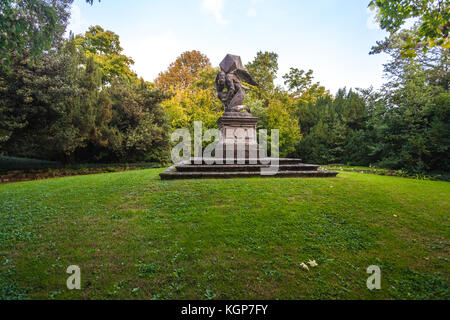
point(137, 237)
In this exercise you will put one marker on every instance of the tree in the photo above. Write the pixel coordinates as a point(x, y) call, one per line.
point(414, 110)
point(433, 21)
point(183, 71)
point(435, 61)
point(31, 26)
point(329, 126)
point(198, 102)
point(264, 70)
point(104, 47)
point(49, 108)
point(297, 81)
point(301, 86)
point(278, 116)
point(60, 110)
point(139, 125)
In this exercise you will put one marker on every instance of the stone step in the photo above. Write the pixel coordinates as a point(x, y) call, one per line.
point(243, 167)
point(223, 161)
point(174, 175)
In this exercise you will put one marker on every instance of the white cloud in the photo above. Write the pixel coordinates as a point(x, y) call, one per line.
point(216, 8)
point(372, 23)
point(251, 12)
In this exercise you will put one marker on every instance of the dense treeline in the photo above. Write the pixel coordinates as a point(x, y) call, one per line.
point(77, 99)
point(404, 125)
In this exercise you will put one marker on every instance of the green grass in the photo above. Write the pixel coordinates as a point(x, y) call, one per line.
point(136, 237)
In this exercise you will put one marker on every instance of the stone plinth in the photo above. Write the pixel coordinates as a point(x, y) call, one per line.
point(238, 137)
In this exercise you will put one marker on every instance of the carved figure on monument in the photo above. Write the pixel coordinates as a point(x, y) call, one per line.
point(230, 90)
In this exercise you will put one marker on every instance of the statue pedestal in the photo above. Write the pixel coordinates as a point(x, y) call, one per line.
point(238, 140)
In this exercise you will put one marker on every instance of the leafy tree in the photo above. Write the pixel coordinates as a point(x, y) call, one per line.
point(198, 102)
point(435, 61)
point(31, 26)
point(104, 47)
point(414, 106)
point(298, 81)
point(328, 124)
point(49, 107)
point(301, 86)
point(278, 116)
point(433, 21)
point(59, 110)
point(183, 71)
point(264, 70)
point(139, 125)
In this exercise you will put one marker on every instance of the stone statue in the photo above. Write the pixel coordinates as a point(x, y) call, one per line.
point(230, 89)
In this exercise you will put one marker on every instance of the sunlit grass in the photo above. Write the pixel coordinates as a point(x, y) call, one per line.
point(135, 236)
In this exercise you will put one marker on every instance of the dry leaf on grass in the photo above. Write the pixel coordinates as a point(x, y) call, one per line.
point(304, 266)
point(313, 263)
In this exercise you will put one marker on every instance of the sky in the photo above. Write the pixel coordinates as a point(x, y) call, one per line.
point(331, 37)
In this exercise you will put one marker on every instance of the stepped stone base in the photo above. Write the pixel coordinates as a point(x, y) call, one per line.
point(287, 168)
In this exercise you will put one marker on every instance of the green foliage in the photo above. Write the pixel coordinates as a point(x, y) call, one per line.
point(432, 17)
point(405, 128)
point(277, 115)
point(197, 102)
point(60, 110)
point(31, 26)
point(328, 124)
point(264, 70)
point(104, 47)
point(410, 135)
point(298, 82)
point(139, 126)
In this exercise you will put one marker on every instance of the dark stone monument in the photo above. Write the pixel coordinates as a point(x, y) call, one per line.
point(239, 154)
point(237, 125)
point(230, 89)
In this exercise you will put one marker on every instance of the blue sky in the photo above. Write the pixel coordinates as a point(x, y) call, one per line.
point(331, 37)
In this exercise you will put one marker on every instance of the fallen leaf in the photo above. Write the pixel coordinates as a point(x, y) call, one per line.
point(304, 266)
point(313, 263)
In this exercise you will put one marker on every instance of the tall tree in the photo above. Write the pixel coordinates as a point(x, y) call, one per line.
point(183, 71)
point(264, 70)
point(435, 61)
point(432, 21)
point(301, 85)
point(31, 26)
point(198, 102)
point(48, 108)
point(104, 46)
